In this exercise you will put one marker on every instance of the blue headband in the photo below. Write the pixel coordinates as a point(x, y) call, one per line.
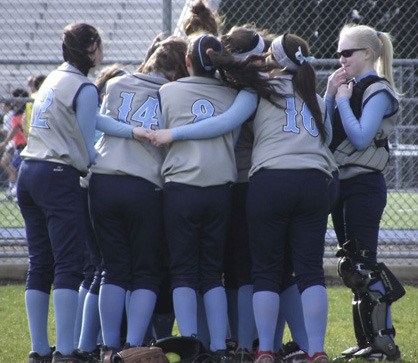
point(202, 62)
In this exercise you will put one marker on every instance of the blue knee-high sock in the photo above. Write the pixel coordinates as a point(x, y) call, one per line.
point(185, 308)
point(266, 310)
point(111, 308)
point(127, 299)
point(246, 322)
point(292, 311)
point(65, 308)
point(232, 299)
point(202, 323)
point(82, 292)
point(315, 313)
point(91, 323)
point(379, 287)
point(217, 317)
point(281, 325)
point(141, 307)
point(37, 305)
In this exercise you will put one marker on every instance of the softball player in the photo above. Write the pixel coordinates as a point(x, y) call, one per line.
point(192, 187)
point(88, 320)
point(241, 42)
point(244, 42)
point(363, 119)
point(196, 198)
point(60, 148)
point(289, 151)
point(201, 19)
point(129, 224)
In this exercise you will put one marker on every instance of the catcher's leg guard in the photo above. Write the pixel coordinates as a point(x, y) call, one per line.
point(358, 330)
point(373, 311)
point(372, 304)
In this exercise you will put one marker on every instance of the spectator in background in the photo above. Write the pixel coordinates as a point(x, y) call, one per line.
point(18, 141)
point(7, 153)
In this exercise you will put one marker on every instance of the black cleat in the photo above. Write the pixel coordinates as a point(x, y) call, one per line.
point(370, 354)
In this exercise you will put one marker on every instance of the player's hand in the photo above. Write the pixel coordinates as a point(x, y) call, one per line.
point(161, 137)
point(140, 134)
point(345, 90)
point(335, 80)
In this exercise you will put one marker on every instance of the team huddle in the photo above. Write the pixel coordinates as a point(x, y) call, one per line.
point(198, 189)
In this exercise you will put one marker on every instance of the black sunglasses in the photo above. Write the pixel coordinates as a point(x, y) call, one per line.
point(347, 53)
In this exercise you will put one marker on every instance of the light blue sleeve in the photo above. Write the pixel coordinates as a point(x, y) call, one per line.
point(362, 132)
point(330, 105)
point(87, 103)
point(241, 109)
point(112, 127)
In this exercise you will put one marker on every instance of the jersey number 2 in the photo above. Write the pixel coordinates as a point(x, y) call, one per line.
point(39, 108)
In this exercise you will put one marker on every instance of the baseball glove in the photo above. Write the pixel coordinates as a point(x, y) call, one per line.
point(188, 348)
point(141, 355)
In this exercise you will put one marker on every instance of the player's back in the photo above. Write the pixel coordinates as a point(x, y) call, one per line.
point(132, 99)
point(287, 137)
point(197, 162)
point(54, 134)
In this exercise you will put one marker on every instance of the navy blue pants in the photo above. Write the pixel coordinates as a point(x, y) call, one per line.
point(51, 202)
point(196, 221)
point(287, 206)
point(92, 256)
point(334, 190)
point(359, 210)
point(237, 261)
point(127, 217)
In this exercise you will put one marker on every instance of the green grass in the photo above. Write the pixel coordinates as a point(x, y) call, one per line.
point(15, 343)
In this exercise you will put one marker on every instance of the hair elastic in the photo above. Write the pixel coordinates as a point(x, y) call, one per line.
point(281, 57)
point(202, 62)
point(378, 34)
point(301, 58)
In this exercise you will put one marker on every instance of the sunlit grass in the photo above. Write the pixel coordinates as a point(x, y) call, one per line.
point(15, 343)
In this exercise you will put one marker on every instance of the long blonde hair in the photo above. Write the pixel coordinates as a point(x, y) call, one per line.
point(379, 43)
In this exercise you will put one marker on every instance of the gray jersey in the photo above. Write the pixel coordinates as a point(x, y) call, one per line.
point(244, 150)
point(132, 99)
point(197, 162)
point(287, 137)
point(55, 134)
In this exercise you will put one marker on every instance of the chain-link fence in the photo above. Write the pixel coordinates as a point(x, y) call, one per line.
point(30, 44)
